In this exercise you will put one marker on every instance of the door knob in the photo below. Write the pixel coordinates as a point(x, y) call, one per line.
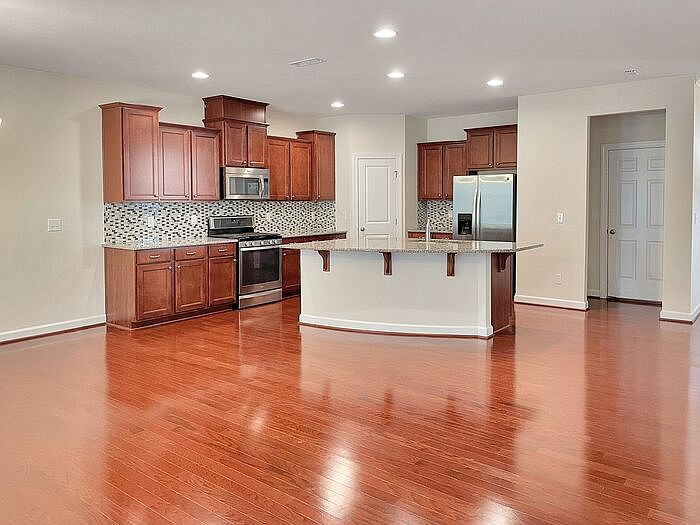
point(362, 229)
point(613, 231)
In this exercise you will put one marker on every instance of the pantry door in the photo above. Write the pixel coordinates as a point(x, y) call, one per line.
point(379, 202)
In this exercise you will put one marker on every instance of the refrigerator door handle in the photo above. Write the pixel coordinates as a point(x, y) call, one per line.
point(477, 214)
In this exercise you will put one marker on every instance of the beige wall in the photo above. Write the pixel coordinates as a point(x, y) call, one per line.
point(284, 124)
point(416, 131)
point(359, 134)
point(553, 152)
point(50, 151)
point(452, 128)
point(612, 129)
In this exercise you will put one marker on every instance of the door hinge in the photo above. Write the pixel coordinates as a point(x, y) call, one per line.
point(396, 174)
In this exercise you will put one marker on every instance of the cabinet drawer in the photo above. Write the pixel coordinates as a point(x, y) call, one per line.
point(222, 250)
point(190, 252)
point(154, 256)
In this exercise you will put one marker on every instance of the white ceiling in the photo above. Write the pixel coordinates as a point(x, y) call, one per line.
point(447, 48)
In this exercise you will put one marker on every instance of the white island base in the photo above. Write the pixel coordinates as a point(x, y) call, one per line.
point(415, 295)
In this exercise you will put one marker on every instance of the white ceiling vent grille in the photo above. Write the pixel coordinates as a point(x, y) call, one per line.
point(313, 61)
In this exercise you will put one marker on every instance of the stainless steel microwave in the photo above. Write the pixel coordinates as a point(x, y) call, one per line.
point(245, 183)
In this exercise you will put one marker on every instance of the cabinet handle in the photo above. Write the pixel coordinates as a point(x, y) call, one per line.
point(154, 256)
point(195, 195)
point(155, 195)
point(235, 260)
point(170, 267)
point(222, 250)
point(179, 266)
point(190, 253)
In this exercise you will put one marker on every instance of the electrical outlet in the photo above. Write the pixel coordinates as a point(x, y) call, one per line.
point(193, 220)
point(557, 278)
point(560, 217)
point(268, 216)
point(151, 221)
point(55, 225)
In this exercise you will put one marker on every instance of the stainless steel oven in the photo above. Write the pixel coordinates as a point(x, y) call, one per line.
point(245, 183)
point(259, 271)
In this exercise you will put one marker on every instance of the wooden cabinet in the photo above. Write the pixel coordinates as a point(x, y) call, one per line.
point(188, 159)
point(291, 272)
point(322, 163)
point(290, 169)
point(420, 234)
point(190, 285)
point(492, 147)
point(505, 147)
point(129, 152)
point(438, 162)
point(291, 263)
point(243, 130)
point(222, 280)
point(154, 290)
point(145, 287)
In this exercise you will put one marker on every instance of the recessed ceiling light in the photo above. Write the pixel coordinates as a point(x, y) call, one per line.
point(200, 75)
point(337, 104)
point(495, 82)
point(396, 74)
point(385, 33)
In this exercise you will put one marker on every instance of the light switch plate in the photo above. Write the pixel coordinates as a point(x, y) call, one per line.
point(151, 221)
point(55, 225)
point(193, 220)
point(560, 217)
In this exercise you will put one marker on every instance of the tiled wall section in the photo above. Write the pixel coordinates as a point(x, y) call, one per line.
point(128, 221)
point(439, 213)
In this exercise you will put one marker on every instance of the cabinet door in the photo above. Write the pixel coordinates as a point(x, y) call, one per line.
point(480, 149)
point(506, 147)
point(174, 163)
point(291, 272)
point(190, 285)
point(324, 159)
point(205, 165)
point(222, 280)
point(257, 142)
point(140, 150)
point(154, 290)
point(300, 170)
point(430, 171)
point(235, 143)
point(452, 166)
point(278, 160)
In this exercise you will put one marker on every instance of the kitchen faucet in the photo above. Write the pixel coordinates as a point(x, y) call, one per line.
point(427, 230)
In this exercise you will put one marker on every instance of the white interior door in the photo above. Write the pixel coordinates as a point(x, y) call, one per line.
point(636, 223)
point(379, 197)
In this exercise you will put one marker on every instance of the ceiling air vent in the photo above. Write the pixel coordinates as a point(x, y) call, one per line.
point(308, 62)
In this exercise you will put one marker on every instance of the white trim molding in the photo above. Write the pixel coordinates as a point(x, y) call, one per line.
point(551, 301)
point(684, 317)
point(48, 329)
point(593, 293)
point(605, 150)
point(396, 328)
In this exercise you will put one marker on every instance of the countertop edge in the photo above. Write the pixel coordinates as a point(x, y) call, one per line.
point(433, 248)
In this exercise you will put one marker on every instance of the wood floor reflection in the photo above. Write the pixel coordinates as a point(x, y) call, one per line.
point(245, 417)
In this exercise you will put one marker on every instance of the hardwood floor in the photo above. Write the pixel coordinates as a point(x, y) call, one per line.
point(244, 417)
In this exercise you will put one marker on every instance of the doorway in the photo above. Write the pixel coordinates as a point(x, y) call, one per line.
point(379, 190)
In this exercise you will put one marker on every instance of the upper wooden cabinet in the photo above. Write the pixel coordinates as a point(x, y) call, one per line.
point(290, 169)
point(188, 160)
point(492, 147)
point(322, 163)
point(129, 152)
point(243, 130)
point(438, 162)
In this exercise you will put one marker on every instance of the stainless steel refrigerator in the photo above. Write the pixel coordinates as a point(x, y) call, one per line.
point(484, 206)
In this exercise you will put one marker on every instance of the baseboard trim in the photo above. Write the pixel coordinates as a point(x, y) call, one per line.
point(680, 317)
point(552, 302)
point(593, 293)
point(52, 328)
point(396, 328)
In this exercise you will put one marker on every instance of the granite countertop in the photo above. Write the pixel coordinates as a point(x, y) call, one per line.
point(415, 246)
point(200, 241)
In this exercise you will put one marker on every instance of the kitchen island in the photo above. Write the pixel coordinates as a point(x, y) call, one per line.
point(409, 286)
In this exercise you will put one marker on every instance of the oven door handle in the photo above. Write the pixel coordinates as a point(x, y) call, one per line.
point(258, 248)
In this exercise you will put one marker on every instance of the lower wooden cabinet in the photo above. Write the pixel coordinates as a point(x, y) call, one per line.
point(150, 286)
point(418, 234)
point(154, 290)
point(291, 272)
point(222, 280)
point(190, 285)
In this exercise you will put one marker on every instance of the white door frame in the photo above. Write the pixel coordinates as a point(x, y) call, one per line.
point(356, 188)
point(605, 150)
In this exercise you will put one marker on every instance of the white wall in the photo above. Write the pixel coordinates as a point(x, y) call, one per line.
point(611, 129)
point(696, 201)
point(51, 166)
point(452, 128)
point(359, 134)
point(416, 130)
point(283, 124)
point(553, 154)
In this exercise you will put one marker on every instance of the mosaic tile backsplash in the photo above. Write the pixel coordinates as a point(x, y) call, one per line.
point(439, 213)
point(128, 221)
